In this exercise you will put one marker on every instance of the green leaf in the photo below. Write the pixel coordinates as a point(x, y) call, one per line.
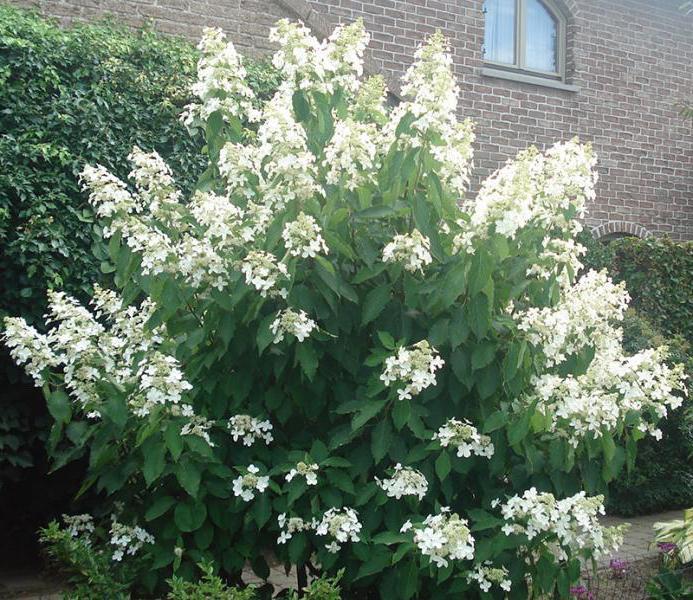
point(188, 475)
point(443, 465)
point(307, 358)
point(389, 537)
point(495, 421)
point(116, 410)
point(264, 335)
point(374, 303)
point(483, 520)
point(297, 548)
point(159, 507)
point(479, 315)
point(519, 427)
point(381, 438)
point(386, 340)
point(370, 410)
point(154, 461)
point(190, 515)
point(301, 106)
point(483, 354)
point(59, 406)
point(262, 510)
point(174, 441)
point(480, 272)
point(400, 413)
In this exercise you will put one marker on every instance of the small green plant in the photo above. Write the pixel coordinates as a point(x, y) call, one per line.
point(210, 587)
point(88, 566)
point(323, 588)
point(680, 533)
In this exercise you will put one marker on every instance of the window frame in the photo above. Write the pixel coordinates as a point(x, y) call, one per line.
point(520, 48)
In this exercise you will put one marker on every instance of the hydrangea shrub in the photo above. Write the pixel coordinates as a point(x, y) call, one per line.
point(327, 354)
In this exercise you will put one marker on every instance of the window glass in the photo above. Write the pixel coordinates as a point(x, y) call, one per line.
point(499, 36)
point(541, 38)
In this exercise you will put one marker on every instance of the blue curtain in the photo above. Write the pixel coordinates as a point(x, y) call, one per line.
point(541, 35)
point(499, 36)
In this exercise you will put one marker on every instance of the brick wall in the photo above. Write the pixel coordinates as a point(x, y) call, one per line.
point(632, 61)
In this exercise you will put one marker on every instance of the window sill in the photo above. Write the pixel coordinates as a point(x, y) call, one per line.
point(525, 78)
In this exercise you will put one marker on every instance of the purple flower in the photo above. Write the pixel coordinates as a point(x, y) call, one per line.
point(581, 592)
point(666, 547)
point(618, 567)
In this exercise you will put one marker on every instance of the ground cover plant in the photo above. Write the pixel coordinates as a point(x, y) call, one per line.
point(321, 354)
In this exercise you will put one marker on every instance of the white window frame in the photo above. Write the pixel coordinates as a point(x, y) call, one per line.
point(520, 34)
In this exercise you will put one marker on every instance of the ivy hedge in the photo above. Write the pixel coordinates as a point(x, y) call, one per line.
point(659, 276)
point(70, 97)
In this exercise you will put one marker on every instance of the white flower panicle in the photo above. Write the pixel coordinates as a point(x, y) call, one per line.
point(293, 525)
point(79, 526)
point(288, 169)
point(118, 348)
point(107, 194)
point(414, 366)
point(535, 188)
point(584, 316)
point(465, 437)
point(154, 182)
point(309, 64)
point(351, 155)
point(404, 482)
point(309, 471)
point(223, 222)
point(290, 322)
point(572, 524)
point(199, 426)
point(412, 251)
point(303, 238)
point(486, 575)
point(444, 537)
point(340, 524)
point(599, 400)
point(432, 96)
point(127, 540)
point(221, 81)
point(246, 485)
point(249, 429)
point(263, 272)
point(161, 382)
point(29, 348)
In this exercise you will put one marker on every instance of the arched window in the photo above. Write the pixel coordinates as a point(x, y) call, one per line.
point(525, 35)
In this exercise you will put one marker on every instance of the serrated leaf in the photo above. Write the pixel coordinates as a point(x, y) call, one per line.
point(519, 427)
point(59, 406)
point(370, 410)
point(494, 421)
point(400, 413)
point(159, 507)
point(154, 461)
point(483, 354)
point(381, 438)
point(374, 303)
point(264, 335)
point(443, 466)
point(308, 358)
point(189, 516)
point(188, 475)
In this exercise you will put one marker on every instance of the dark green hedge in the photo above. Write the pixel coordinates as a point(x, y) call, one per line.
point(70, 97)
point(663, 475)
point(658, 274)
